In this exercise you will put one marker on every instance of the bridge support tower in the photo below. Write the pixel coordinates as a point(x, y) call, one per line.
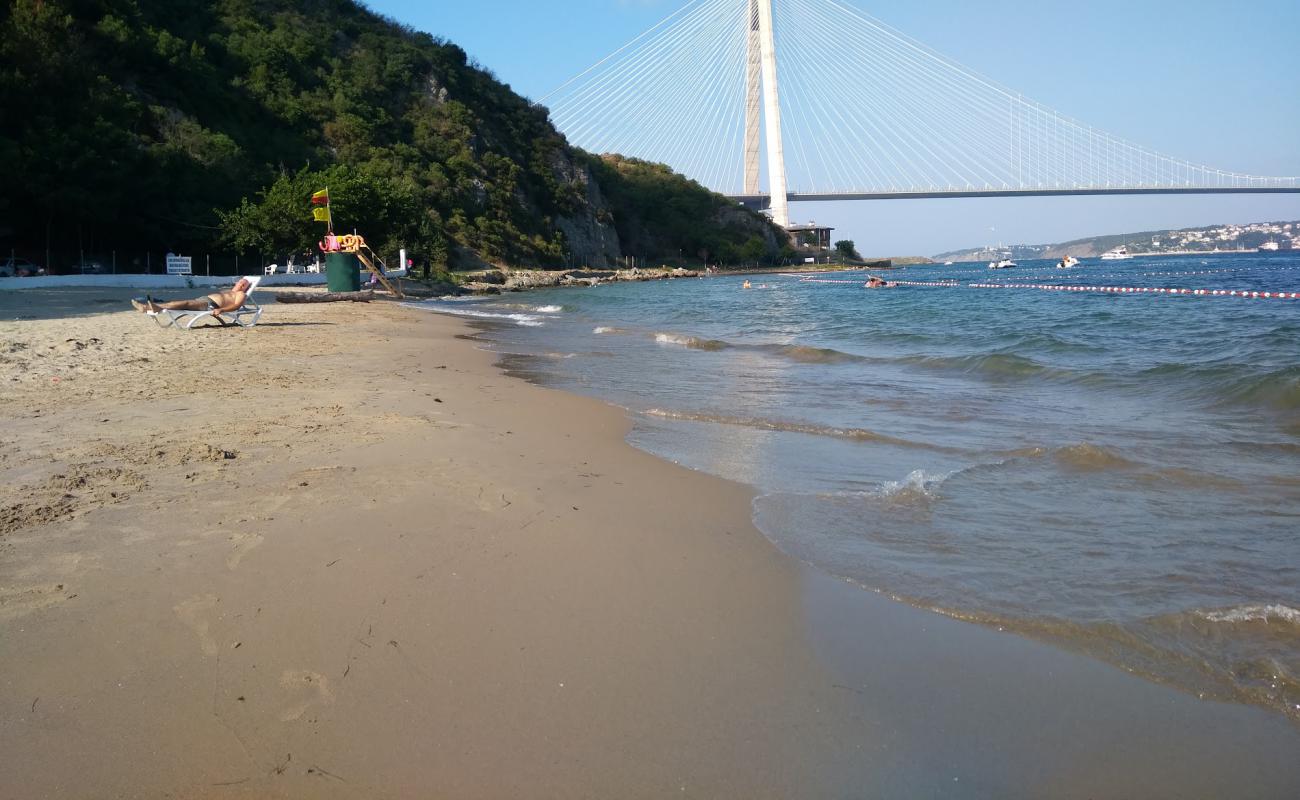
point(762, 71)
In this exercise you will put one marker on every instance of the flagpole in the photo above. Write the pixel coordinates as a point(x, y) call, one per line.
point(329, 214)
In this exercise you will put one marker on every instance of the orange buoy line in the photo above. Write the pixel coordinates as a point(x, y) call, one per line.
point(1048, 287)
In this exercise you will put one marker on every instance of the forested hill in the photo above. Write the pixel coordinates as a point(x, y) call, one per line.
point(206, 124)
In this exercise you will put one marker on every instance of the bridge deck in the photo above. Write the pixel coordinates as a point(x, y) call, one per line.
point(802, 197)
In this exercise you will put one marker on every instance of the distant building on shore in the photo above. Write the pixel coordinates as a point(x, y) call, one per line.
point(810, 236)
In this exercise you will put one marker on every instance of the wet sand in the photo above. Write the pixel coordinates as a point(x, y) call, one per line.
point(342, 555)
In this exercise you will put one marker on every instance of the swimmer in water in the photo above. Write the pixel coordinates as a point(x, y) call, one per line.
point(877, 282)
point(746, 285)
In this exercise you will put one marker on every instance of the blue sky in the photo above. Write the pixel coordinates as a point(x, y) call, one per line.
point(1211, 82)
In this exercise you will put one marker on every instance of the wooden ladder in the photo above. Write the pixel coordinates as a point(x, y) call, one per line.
point(368, 260)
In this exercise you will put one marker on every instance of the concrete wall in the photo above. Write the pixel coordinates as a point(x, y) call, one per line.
point(153, 281)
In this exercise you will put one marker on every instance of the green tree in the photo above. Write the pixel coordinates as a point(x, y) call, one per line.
point(195, 124)
point(845, 250)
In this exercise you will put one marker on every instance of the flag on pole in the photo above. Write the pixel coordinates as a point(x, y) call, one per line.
point(321, 198)
point(320, 214)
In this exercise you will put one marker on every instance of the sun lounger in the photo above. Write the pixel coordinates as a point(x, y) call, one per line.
point(246, 316)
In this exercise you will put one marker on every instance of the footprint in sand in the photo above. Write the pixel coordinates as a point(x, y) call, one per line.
point(241, 544)
point(194, 612)
point(314, 684)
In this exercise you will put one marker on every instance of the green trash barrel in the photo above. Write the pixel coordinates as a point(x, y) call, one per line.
point(342, 272)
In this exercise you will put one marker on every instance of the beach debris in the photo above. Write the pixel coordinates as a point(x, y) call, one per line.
point(324, 774)
point(325, 297)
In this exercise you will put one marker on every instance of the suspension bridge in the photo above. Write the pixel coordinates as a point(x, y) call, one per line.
point(773, 101)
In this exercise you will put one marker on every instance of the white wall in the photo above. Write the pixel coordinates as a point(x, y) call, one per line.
point(153, 281)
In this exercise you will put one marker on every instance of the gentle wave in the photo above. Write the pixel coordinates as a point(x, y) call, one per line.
point(548, 309)
point(809, 355)
point(990, 365)
point(1082, 457)
point(526, 320)
point(1278, 390)
point(1254, 613)
point(918, 488)
point(603, 329)
point(693, 342)
point(1087, 457)
point(1231, 384)
point(1241, 654)
point(802, 353)
point(852, 434)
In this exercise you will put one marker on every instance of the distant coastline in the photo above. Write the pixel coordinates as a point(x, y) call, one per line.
point(1208, 240)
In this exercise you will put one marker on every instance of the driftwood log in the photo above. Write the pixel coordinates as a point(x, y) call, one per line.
point(324, 297)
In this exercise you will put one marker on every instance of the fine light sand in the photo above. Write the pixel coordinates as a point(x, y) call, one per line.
point(342, 555)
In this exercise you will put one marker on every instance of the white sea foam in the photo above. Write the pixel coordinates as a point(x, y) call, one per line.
point(673, 338)
point(918, 483)
point(1253, 613)
point(599, 329)
point(526, 320)
point(548, 309)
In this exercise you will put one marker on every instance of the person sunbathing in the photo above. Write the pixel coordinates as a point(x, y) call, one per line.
point(218, 302)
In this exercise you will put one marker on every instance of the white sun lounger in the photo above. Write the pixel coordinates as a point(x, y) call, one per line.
point(246, 316)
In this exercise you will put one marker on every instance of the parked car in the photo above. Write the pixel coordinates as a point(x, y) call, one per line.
point(94, 268)
point(19, 268)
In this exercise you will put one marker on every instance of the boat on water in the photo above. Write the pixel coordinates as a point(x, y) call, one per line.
point(1120, 253)
point(1005, 263)
point(1268, 247)
point(1067, 262)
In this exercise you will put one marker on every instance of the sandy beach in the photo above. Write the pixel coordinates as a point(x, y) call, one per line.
point(342, 554)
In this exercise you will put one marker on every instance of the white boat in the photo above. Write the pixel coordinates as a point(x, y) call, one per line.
point(1067, 262)
point(1268, 247)
point(1120, 253)
point(1005, 263)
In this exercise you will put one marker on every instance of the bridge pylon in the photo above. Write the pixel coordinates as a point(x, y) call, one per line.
point(882, 116)
point(761, 69)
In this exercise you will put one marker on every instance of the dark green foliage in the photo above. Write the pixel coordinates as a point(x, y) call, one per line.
point(657, 211)
point(846, 250)
point(207, 124)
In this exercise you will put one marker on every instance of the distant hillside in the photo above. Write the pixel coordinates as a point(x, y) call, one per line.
point(1206, 239)
point(204, 125)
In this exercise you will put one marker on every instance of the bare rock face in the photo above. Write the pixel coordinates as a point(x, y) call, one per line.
point(735, 216)
point(435, 92)
point(521, 280)
point(589, 230)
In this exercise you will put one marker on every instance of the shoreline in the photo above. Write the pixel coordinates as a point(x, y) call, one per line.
point(417, 575)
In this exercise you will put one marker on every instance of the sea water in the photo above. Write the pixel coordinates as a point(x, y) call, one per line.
point(1115, 473)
